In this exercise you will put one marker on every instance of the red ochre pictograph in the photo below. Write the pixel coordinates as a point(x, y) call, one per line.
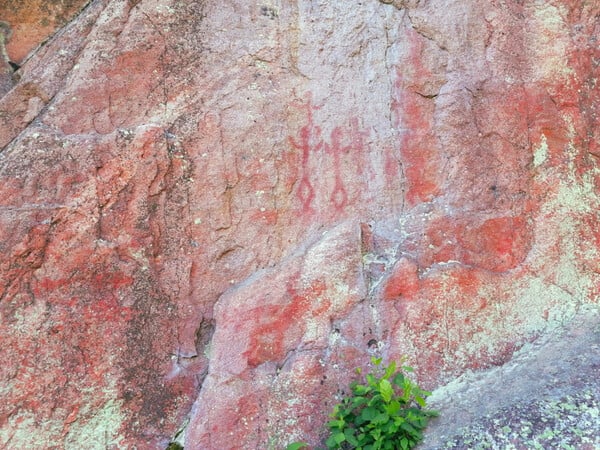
point(309, 142)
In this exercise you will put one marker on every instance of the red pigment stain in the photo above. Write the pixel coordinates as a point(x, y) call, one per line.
point(106, 309)
point(546, 119)
point(499, 244)
point(121, 87)
point(339, 196)
point(279, 324)
point(46, 285)
point(392, 167)
point(414, 115)
point(267, 340)
point(112, 281)
point(403, 281)
point(467, 280)
point(308, 141)
point(306, 146)
point(496, 357)
point(268, 216)
point(590, 232)
point(418, 149)
point(320, 303)
point(421, 175)
point(357, 145)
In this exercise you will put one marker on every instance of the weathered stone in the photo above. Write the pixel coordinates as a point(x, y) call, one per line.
point(34, 21)
point(211, 212)
point(6, 70)
point(279, 343)
point(547, 396)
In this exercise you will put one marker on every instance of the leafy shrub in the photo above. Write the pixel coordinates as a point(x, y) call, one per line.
point(387, 413)
point(297, 446)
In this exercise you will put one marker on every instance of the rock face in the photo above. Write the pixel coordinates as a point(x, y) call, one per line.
point(211, 212)
point(547, 396)
point(34, 21)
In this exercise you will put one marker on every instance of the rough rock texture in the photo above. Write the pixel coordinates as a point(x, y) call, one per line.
point(547, 396)
point(211, 212)
point(34, 21)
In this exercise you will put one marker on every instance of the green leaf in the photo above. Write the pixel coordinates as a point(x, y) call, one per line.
point(389, 371)
point(368, 414)
point(361, 389)
point(376, 434)
point(372, 381)
point(336, 424)
point(408, 427)
point(386, 390)
point(331, 443)
point(431, 413)
point(350, 438)
point(392, 408)
point(399, 379)
point(385, 412)
point(359, 401)
point(381, 418)
point(415, 434)
point(336, 411)
point(375, 361)
point(389, 427)
point(375, 401)
point(296, 446)
point(339, 437)
point(420, 401)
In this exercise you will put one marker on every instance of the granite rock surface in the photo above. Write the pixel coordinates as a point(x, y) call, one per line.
point(212, 212)
point(547, 396)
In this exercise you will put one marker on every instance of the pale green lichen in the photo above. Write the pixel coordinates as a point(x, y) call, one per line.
point(569, 422)
point(100, 431)
point(559, 280)
point(540, 153)
point(25, 430)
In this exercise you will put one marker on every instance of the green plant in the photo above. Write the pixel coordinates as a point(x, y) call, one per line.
point(297, 446)
point(388, 412)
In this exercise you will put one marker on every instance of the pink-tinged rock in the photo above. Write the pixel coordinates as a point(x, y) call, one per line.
point(402, 281)
point(32, 23)
point(212, 212)
point(277, 345)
